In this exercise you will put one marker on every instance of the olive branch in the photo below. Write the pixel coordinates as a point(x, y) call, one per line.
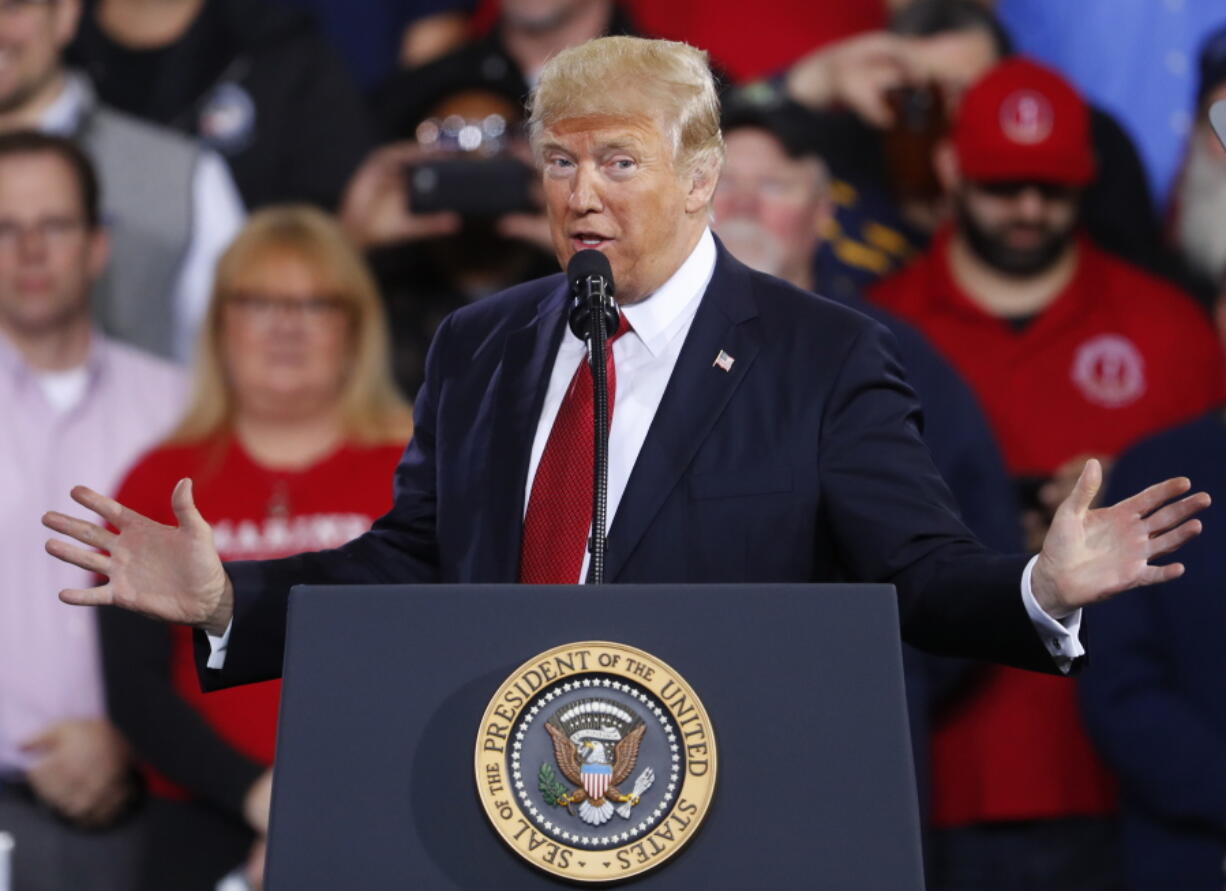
point(551, 787)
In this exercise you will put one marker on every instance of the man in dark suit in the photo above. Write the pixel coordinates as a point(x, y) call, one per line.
point(759, 433)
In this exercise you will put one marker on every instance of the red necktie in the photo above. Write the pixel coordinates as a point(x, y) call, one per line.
point(559, 513)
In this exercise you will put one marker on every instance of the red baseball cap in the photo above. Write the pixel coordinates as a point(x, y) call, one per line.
point(1022, 121)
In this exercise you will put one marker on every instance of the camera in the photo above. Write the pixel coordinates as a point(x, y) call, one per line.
point(472, 187)
point(471, 172)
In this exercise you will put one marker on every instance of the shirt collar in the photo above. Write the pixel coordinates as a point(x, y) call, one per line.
point(14, 365)
point(63, 115)
point(653, 319)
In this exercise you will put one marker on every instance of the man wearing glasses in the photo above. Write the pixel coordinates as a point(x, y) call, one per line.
point(171, 206)
point(1072, 353)
point(72, 398)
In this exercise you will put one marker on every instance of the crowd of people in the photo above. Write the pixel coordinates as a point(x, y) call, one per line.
point(230, 230)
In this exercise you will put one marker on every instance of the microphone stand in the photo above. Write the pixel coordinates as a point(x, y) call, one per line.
point(597, 301)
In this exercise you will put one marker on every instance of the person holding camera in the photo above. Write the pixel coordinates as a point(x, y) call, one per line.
point(450, 216)
point(884, 100)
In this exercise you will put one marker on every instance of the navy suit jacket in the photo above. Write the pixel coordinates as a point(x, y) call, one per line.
point(802, 463)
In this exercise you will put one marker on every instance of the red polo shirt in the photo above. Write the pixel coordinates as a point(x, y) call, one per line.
point(1117, 355)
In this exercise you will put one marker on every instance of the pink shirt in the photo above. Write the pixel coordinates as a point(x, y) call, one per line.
point(49, 660)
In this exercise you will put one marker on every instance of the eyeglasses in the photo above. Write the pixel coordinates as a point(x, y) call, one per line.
point(52, 231)
point(264, 308)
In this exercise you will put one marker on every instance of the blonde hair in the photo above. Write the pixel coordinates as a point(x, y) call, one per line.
point(371, 409)
point(624, 75)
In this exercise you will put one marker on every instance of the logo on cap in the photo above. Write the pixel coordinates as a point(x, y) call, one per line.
point(1026, 117)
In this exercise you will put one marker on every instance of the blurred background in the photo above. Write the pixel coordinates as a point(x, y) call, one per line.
point(230, 228)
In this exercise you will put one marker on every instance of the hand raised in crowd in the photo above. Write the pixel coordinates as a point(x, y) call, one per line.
point(172, 573)
point(81, 770)
point(1091, 554)
point(856, 73)
point(375, 208)
point(532, 228)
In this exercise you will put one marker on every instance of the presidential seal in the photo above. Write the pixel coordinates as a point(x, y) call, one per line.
point(595, 761)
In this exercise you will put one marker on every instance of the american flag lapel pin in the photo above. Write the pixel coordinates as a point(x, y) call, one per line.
point(724, 361)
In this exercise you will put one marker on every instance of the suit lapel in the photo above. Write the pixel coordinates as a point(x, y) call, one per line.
point(523, 379)
point(695, 397)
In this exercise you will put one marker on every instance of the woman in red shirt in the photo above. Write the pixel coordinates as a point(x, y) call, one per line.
point(292, 434)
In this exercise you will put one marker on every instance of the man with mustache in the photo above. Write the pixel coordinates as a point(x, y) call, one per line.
point(772, 207)
point(759, 432)
point(1072, 353)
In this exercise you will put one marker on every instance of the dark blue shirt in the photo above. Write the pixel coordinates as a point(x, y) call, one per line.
point(1154, 690)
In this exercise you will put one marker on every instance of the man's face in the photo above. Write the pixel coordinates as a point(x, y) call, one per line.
point(540, 15)
point(1200, 200)
point(49, 256)
point(611, 184)
point(1212, 145)
point(1018, 228)
point(769, 206)
point(33, 34)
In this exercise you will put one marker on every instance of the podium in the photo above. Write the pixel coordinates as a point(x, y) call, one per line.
point(385, 688)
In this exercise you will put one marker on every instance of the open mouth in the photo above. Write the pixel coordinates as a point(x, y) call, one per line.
point(587, 240)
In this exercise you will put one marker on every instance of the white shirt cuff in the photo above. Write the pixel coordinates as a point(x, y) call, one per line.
point(218, 647)
point(1060, 636)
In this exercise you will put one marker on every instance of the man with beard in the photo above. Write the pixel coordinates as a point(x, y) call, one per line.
point(770, 209)
point(1072, 352)
point(1199, 205)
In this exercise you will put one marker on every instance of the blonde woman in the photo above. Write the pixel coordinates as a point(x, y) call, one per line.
point(291, 437)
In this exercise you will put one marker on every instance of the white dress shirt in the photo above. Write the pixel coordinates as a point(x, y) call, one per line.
point(645, 357)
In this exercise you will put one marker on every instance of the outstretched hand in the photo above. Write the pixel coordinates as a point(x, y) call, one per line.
point(1090, 555)
point(172, 573)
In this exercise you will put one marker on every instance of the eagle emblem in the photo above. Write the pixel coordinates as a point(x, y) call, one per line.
point(596, 744)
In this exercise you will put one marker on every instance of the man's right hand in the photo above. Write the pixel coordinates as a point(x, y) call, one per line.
point(375, 209)
point(172, 573)
point(855, 73)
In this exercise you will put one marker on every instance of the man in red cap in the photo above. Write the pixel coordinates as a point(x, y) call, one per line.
point(1072, 353)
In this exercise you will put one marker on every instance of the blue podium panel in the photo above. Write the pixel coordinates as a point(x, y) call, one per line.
point(385, 688)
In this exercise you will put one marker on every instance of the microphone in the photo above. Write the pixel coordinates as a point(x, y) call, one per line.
point(591, 283)
point(593, 319)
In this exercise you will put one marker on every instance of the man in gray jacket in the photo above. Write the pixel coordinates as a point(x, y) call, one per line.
point(170, 205)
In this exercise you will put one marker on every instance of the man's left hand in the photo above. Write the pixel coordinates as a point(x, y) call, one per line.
point(1090, 555)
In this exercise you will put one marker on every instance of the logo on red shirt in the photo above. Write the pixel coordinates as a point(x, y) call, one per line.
point(1109, 371)
point(1026, 117)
